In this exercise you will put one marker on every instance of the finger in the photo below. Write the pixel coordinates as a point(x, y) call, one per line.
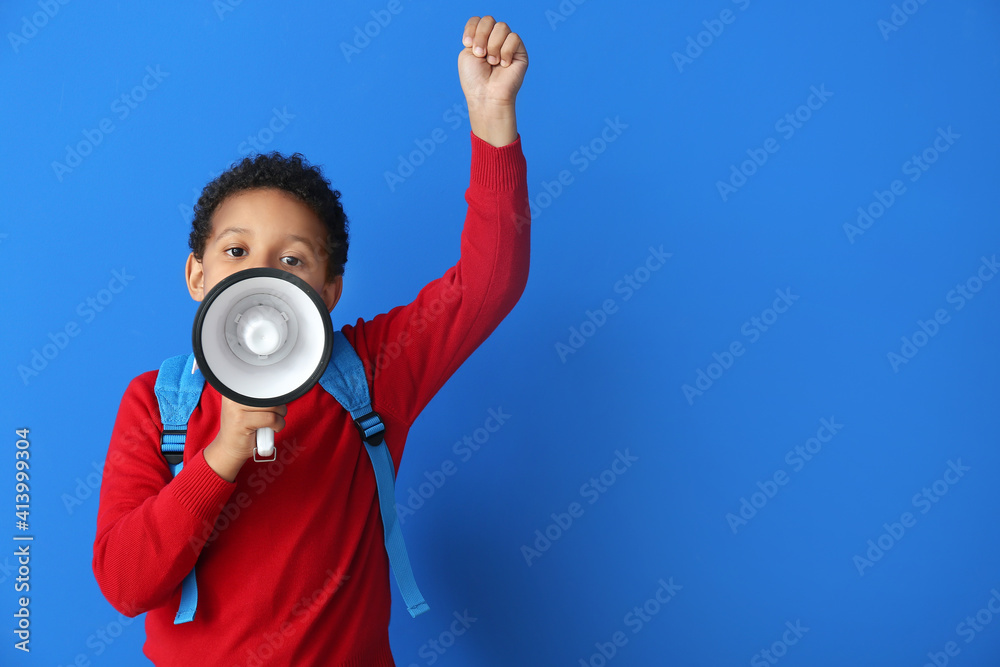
point(250, 408)
point(511, 45)
point(483, 31)
point(496, 40)
point(231, 404)
point(265, 408)
point(259, 420)
point(470, 30)
point(277, 417)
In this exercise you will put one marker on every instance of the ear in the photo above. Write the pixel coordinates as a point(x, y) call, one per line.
point(194, 274)
point(332, 291)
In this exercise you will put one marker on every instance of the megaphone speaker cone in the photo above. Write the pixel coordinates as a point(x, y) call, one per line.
point(262, 337)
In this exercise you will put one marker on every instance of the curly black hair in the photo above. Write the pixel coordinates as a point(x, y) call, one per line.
point(294, 175)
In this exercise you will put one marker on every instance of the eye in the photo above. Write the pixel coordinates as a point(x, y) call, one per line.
point(240, 251)
point(295, 261)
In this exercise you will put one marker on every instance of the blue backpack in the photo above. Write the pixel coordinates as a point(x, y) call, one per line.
point(178, 390)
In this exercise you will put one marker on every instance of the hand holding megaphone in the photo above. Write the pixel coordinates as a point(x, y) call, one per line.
point(236, 440)
point(262, 338)
point(239, 426)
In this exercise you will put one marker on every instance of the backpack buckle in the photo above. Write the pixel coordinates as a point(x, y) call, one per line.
point(170, 450)
point(173, 458)
point(371, 428)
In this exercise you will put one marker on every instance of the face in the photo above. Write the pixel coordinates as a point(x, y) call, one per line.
point(264, 228)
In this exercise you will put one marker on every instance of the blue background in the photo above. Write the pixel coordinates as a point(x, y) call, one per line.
point(127, 206)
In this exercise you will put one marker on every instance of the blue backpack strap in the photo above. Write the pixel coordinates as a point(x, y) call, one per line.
point(344, 378)
point(178, 390)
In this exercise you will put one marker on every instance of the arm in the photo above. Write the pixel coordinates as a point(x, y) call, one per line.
point(150, 527)
point(412, 350)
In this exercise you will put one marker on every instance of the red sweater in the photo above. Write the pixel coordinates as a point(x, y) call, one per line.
point(291, 564)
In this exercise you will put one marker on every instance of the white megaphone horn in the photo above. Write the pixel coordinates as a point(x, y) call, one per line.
point(262, 337)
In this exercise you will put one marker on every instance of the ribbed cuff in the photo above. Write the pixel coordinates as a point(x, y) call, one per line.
point(200, 489)
point(499, 168)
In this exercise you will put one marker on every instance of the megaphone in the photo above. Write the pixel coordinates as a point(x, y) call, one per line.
point(262, 337)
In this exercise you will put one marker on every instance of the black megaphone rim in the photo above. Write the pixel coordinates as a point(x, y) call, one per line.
point(204, 367)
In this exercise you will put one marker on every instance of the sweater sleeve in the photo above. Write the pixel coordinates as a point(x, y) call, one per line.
point(150, 527)
point(413, 349)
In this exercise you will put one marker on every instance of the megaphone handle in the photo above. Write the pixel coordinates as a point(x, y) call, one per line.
point(265, 443)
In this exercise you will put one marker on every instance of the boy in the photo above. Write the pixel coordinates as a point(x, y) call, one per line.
point(291, 566)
